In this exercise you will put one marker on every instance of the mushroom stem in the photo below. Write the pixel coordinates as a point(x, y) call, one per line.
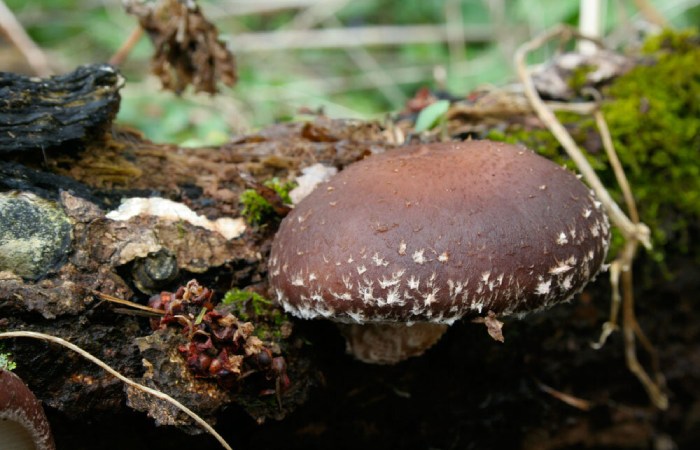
point(389, 343)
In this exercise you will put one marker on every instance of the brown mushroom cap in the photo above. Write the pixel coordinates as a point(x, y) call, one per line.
point(23, 424)
point(434, 233)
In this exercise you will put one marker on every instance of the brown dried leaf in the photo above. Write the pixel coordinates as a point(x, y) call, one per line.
point(493, 326)
point(187, 46)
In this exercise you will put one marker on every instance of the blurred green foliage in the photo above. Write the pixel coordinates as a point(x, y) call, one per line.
point(274, 85)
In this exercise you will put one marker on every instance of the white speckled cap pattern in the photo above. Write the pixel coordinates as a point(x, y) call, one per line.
point(434, 233)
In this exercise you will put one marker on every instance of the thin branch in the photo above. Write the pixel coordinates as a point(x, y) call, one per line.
point(111, 371)
point(120, 301)
point(353, 37)
point(633, 231)
point(650, 13)
point(576, 402)
point(619, 172)
point(629, 330)
point(120, 56)
point(611, 325)
point(220, 10)
point(625, 263)
point(315, 14)
point(13, 30)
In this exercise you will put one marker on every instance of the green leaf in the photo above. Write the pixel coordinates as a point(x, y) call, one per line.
point(431, 115)
point(6, 363)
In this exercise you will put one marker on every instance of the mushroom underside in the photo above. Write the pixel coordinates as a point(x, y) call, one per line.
point(389, 343)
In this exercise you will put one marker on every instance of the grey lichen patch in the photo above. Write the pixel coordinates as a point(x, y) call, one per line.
point(35, 235)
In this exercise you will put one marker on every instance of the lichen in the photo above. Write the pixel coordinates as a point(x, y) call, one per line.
point(654, 118)
point(257, 209)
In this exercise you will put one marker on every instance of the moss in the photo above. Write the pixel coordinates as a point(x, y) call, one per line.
point(244, 300)
point(543, 141)
point(578, 79)
point(256, 209)
point(653, 114)
point(251, 306)
point(6, 362)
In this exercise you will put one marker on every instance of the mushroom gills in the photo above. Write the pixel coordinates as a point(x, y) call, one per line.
point(14, 436)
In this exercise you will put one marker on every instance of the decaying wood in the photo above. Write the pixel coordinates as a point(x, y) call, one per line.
point(74, 108)
point(88, 177)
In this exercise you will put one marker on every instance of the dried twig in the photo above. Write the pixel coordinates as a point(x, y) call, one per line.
point(120, 301)
point(624, 262)
point(13, 30)
point(650, 13)
point(107, 368)
point(579, 403)
point(619, 172)
point(120, 56)
point(364, 36)
point(632, 229)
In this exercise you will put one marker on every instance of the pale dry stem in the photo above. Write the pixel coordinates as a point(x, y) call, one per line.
point(13, 30)
point(113, 372)
point(123, 52)
point(632, 229)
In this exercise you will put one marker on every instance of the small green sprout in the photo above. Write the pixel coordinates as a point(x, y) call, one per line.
point(246, 300)
point(432, 115)
point(256, 209)
point(6, 363)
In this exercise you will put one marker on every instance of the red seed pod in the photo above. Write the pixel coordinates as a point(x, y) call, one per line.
point(204, 362)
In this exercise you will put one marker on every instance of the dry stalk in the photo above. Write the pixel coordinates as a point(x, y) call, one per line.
point(650, 13)
point(632, 229)
point(123, 52)
point(113, 372)
point(120, 301)
point(13, 30)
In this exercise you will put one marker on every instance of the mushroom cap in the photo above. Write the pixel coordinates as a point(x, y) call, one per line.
point(23, 424)
point(434, 233)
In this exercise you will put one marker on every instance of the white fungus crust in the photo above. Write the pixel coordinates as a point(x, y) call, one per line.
point(436, 233)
